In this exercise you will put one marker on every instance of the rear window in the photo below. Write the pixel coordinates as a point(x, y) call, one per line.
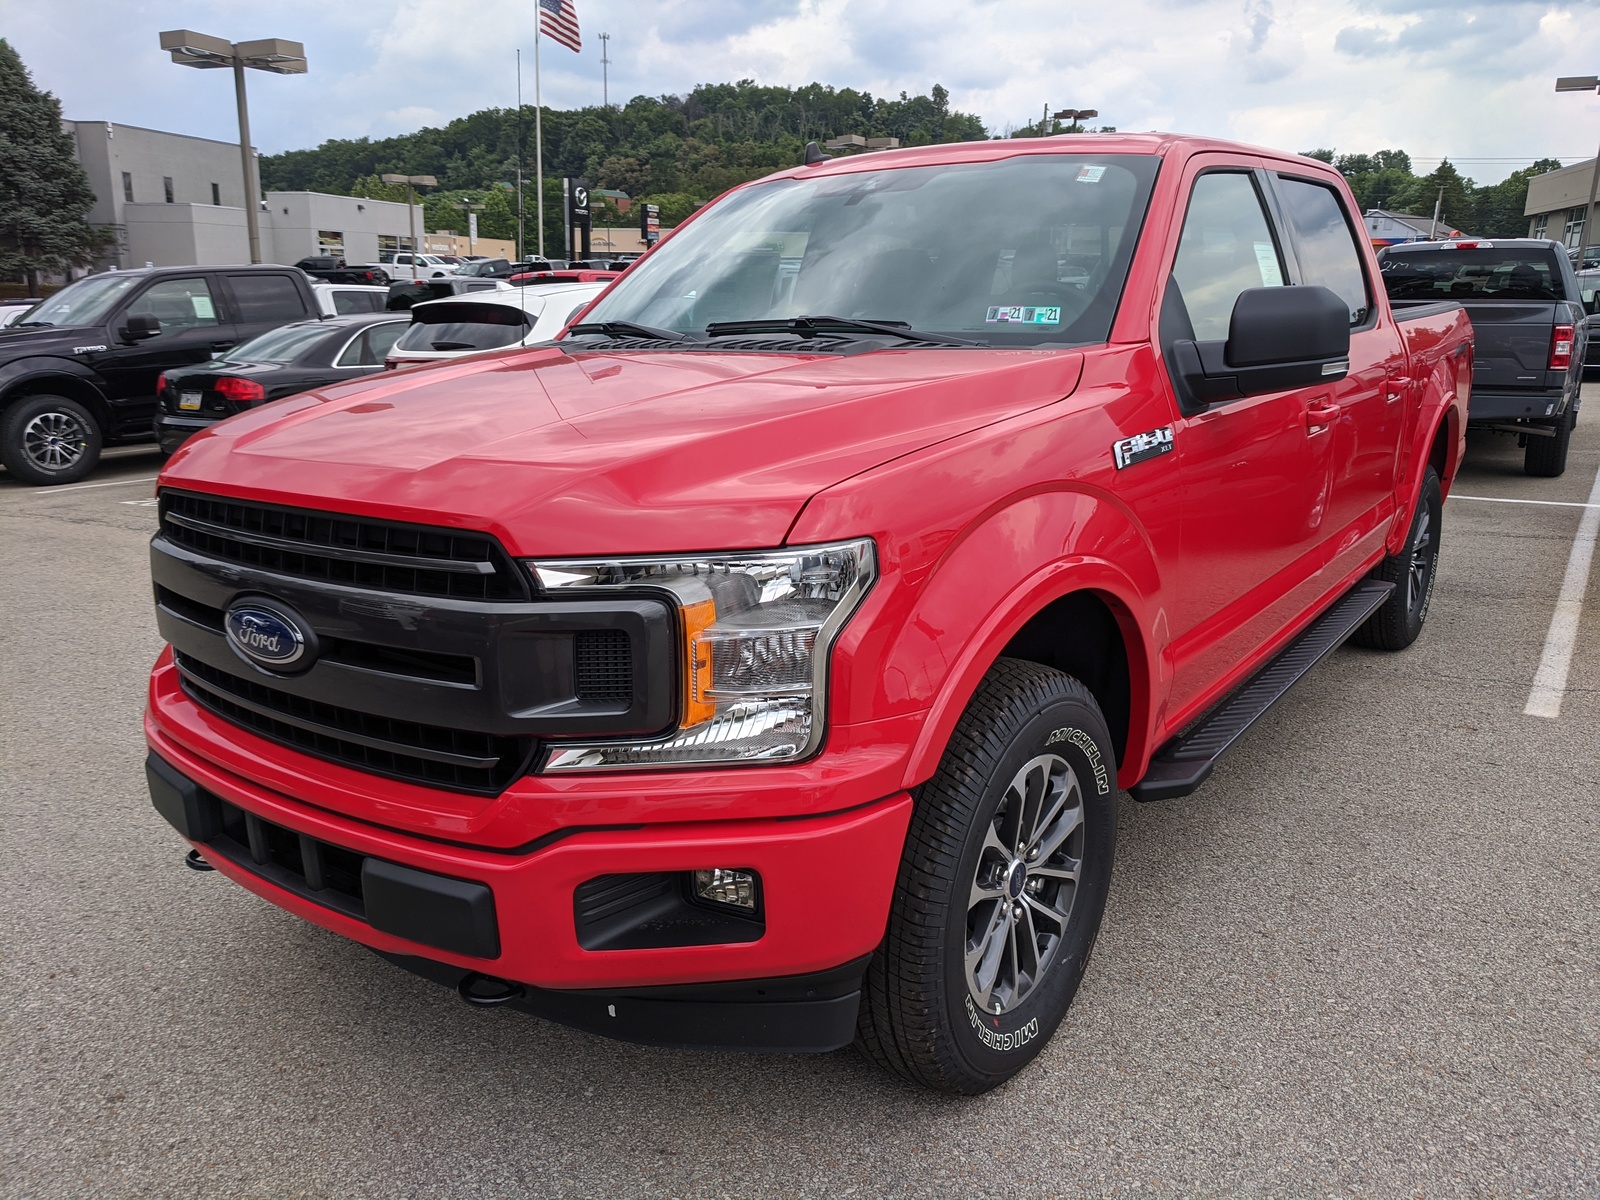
point(277, 345)
point(1482, 272)
point(464, 327)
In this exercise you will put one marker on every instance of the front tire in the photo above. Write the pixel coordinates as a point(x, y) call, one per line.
point(1398, 623)
point(48, 440)
point(1001, 887)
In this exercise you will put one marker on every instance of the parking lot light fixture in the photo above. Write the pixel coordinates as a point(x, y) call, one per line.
point(1590, 236)
point(412, 182)
point(275, 55)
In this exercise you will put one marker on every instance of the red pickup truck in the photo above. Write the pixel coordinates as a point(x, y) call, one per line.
point(759, 664)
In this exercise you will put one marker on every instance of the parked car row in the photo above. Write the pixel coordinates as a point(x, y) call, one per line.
point(115, 357)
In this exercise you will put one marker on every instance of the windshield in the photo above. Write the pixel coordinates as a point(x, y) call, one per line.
point(1030, 250)
point(1503, 273)
point(83, 303)
point(277, 345)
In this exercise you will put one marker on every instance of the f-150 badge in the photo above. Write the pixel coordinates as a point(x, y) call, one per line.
point(1142, 446)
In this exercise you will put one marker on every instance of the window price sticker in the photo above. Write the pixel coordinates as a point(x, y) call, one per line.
point(1021, 314)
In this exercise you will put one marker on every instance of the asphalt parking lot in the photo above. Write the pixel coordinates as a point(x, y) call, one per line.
point(1364, 960)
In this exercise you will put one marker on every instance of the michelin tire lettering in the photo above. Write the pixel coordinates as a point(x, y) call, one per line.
point(994, 1039)
point(1080, 739)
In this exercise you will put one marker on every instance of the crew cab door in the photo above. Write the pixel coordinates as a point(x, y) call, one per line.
point(192, 330)
point(1368, 408)
point(263, 300)
point(1256, 472)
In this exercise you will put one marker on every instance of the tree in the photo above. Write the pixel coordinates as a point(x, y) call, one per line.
point(44, 194)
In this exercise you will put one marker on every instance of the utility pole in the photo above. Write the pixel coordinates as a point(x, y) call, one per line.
point(1433, 230)
point(605, 61)
point(1590, 236)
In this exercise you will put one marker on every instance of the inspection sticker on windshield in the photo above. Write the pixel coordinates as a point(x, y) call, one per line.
point(1022, 314)
point(1090, 174)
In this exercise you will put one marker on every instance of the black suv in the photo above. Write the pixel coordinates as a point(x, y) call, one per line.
point(1528, 323)
point(79, 370)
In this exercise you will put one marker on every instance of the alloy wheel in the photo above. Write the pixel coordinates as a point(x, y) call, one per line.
point(1025, 884)
point(54, 440)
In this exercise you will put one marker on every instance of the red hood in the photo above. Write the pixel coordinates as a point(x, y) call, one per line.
point(636, 452)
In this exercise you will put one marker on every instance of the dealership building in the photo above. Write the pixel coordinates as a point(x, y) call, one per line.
point(1556, 203)
point(174, 200)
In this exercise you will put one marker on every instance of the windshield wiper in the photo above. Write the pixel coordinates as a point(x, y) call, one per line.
point(825, 324)
point(631, 329)
point(34, 325)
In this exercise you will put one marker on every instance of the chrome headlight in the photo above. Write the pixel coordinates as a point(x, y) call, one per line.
point(757, 628)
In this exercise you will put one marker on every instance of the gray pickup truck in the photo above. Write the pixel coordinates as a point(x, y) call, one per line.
point(1528, 315)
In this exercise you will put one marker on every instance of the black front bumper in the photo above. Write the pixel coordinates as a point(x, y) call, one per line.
point(795, 1014)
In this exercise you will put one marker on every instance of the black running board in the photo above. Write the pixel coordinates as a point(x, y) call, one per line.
point(1185, 762)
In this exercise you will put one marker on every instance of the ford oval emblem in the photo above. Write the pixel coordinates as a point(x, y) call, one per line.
point(268, 636)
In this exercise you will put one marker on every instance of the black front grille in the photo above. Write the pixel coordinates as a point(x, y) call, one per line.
point(317, 870)
point(387, 556)
point(605, 666)
point(456, 759)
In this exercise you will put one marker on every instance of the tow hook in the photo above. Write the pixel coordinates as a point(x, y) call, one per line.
point(196, 862)
point(486, 991)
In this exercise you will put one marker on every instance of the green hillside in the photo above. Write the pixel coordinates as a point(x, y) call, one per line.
point(676, 151)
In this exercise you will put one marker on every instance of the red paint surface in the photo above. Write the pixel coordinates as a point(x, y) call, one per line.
point(986, 479)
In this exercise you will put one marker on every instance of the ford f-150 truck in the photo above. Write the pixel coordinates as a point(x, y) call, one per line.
point(758, 664)
point(1527, 313)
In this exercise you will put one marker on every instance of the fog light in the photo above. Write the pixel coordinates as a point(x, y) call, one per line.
point(722, 885)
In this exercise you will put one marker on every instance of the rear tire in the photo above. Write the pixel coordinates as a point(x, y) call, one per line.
point(1001, 888)
point(47, 440)
point(1397, 624)
point(1546, 457)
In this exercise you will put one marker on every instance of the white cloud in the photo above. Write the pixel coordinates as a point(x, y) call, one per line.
point(1471, 79)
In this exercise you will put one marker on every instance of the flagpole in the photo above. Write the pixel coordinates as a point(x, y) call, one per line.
point(520, 240)
point(538, 126)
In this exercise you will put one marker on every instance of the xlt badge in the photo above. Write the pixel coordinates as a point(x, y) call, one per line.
point(1142, 446)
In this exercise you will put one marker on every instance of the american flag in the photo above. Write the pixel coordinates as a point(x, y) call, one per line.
point(558, 19)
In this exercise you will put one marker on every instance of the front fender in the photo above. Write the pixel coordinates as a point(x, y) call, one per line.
point(997, 578)
point(40, 365)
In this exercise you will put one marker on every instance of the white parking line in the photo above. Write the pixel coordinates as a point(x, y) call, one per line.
point(84, 487)
point(1550, 681)
point(1509, 500)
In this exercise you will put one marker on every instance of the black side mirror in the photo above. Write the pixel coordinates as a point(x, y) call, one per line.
point(1278, 338)
point(141, 326)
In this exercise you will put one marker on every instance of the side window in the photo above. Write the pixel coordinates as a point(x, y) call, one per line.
point(346, 302)
point(1226, 247)
point(178, 304)
point(371, 345)
point(267, 299)
point(381, 339)
point(1325, 243)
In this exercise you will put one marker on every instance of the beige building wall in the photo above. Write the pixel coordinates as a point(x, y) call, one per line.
point(1554, 195)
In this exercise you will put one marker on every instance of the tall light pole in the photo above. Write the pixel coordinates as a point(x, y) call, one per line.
point(472, 211)
point(605, 61)
point(412, 182)
point(1585, 83)
point(190, 49)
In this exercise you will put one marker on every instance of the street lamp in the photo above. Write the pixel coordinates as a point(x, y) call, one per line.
point(472, 211)
point(1585, 83)
point(1074, 115)
point(412, 182)
point(190, 49)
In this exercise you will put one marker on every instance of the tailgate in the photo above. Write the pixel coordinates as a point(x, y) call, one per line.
point(1513, 343)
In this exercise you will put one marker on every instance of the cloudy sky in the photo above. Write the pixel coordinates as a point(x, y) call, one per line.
point(1471, 79)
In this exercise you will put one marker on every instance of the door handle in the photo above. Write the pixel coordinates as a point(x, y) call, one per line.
point(223, 345)
point(1321, 413)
